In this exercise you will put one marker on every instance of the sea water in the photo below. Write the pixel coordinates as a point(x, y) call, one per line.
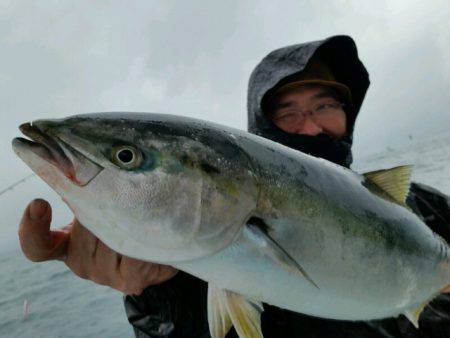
point(60, 303)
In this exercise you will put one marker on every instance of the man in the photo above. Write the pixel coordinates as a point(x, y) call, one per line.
point(306, 97)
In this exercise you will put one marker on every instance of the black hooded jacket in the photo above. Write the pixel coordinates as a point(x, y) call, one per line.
point(280, 66)
point(177, 308)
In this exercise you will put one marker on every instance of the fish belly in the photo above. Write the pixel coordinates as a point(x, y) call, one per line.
point(346, 290)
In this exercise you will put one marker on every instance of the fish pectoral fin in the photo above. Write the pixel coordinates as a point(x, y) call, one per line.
point(394, 181)
point(226, 308)
point(273, 250)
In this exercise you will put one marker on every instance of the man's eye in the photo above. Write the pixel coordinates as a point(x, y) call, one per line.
point(324, 106)
point(328, 106)
point(284, 117)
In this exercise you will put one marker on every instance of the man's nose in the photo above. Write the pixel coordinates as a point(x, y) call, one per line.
point(308, 127)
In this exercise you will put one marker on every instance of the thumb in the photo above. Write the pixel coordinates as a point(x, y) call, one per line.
point(38, 242)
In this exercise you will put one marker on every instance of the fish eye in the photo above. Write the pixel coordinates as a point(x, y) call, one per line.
point(127, 157)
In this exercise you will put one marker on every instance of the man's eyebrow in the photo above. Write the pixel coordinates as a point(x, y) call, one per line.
point(323, 94)
point(282, 105)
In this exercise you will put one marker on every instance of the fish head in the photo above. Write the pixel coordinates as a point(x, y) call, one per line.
point(155, 187)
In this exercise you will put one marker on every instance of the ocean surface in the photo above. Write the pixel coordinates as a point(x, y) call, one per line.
point(430, 160)
point(63, 305)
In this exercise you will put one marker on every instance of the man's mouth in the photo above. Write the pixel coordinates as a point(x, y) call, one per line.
point(71, 163)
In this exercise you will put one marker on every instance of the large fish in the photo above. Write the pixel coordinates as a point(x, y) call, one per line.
point(259, 221)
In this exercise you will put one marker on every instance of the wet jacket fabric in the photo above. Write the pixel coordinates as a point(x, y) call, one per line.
point(178, 307)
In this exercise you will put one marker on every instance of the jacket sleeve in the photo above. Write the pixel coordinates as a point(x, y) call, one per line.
point(176, 308)
point(433, 208)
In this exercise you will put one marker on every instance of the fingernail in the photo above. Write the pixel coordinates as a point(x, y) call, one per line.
point(38, 208)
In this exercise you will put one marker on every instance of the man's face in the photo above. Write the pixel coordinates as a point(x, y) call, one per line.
point(309, 110)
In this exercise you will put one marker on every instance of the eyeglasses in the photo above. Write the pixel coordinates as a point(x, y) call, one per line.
point(290, 117)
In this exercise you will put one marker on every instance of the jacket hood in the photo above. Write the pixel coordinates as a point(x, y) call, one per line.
point(281, 65)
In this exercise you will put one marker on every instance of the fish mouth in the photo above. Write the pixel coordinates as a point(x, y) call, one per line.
point(70, 162)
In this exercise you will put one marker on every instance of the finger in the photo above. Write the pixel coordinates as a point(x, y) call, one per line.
point(133, 274)
point(81, 251)
point(60, 239)
point(85, 239)
point(163, 273)
point(158, 273)
point(106, 265)
point(37, 241)
point(136, 275)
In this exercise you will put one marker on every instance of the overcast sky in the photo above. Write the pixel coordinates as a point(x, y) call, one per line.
point(58, 58)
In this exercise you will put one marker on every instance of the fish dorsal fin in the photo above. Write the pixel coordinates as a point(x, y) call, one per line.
point(226, 308)
point(394, 181)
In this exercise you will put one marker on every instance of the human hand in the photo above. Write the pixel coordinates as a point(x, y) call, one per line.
point(85, 254)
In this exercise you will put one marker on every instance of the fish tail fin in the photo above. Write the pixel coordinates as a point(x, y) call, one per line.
point(226, 309)
point(414, 314)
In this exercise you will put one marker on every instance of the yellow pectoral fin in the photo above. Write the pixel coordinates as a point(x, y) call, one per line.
point(226, 308)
